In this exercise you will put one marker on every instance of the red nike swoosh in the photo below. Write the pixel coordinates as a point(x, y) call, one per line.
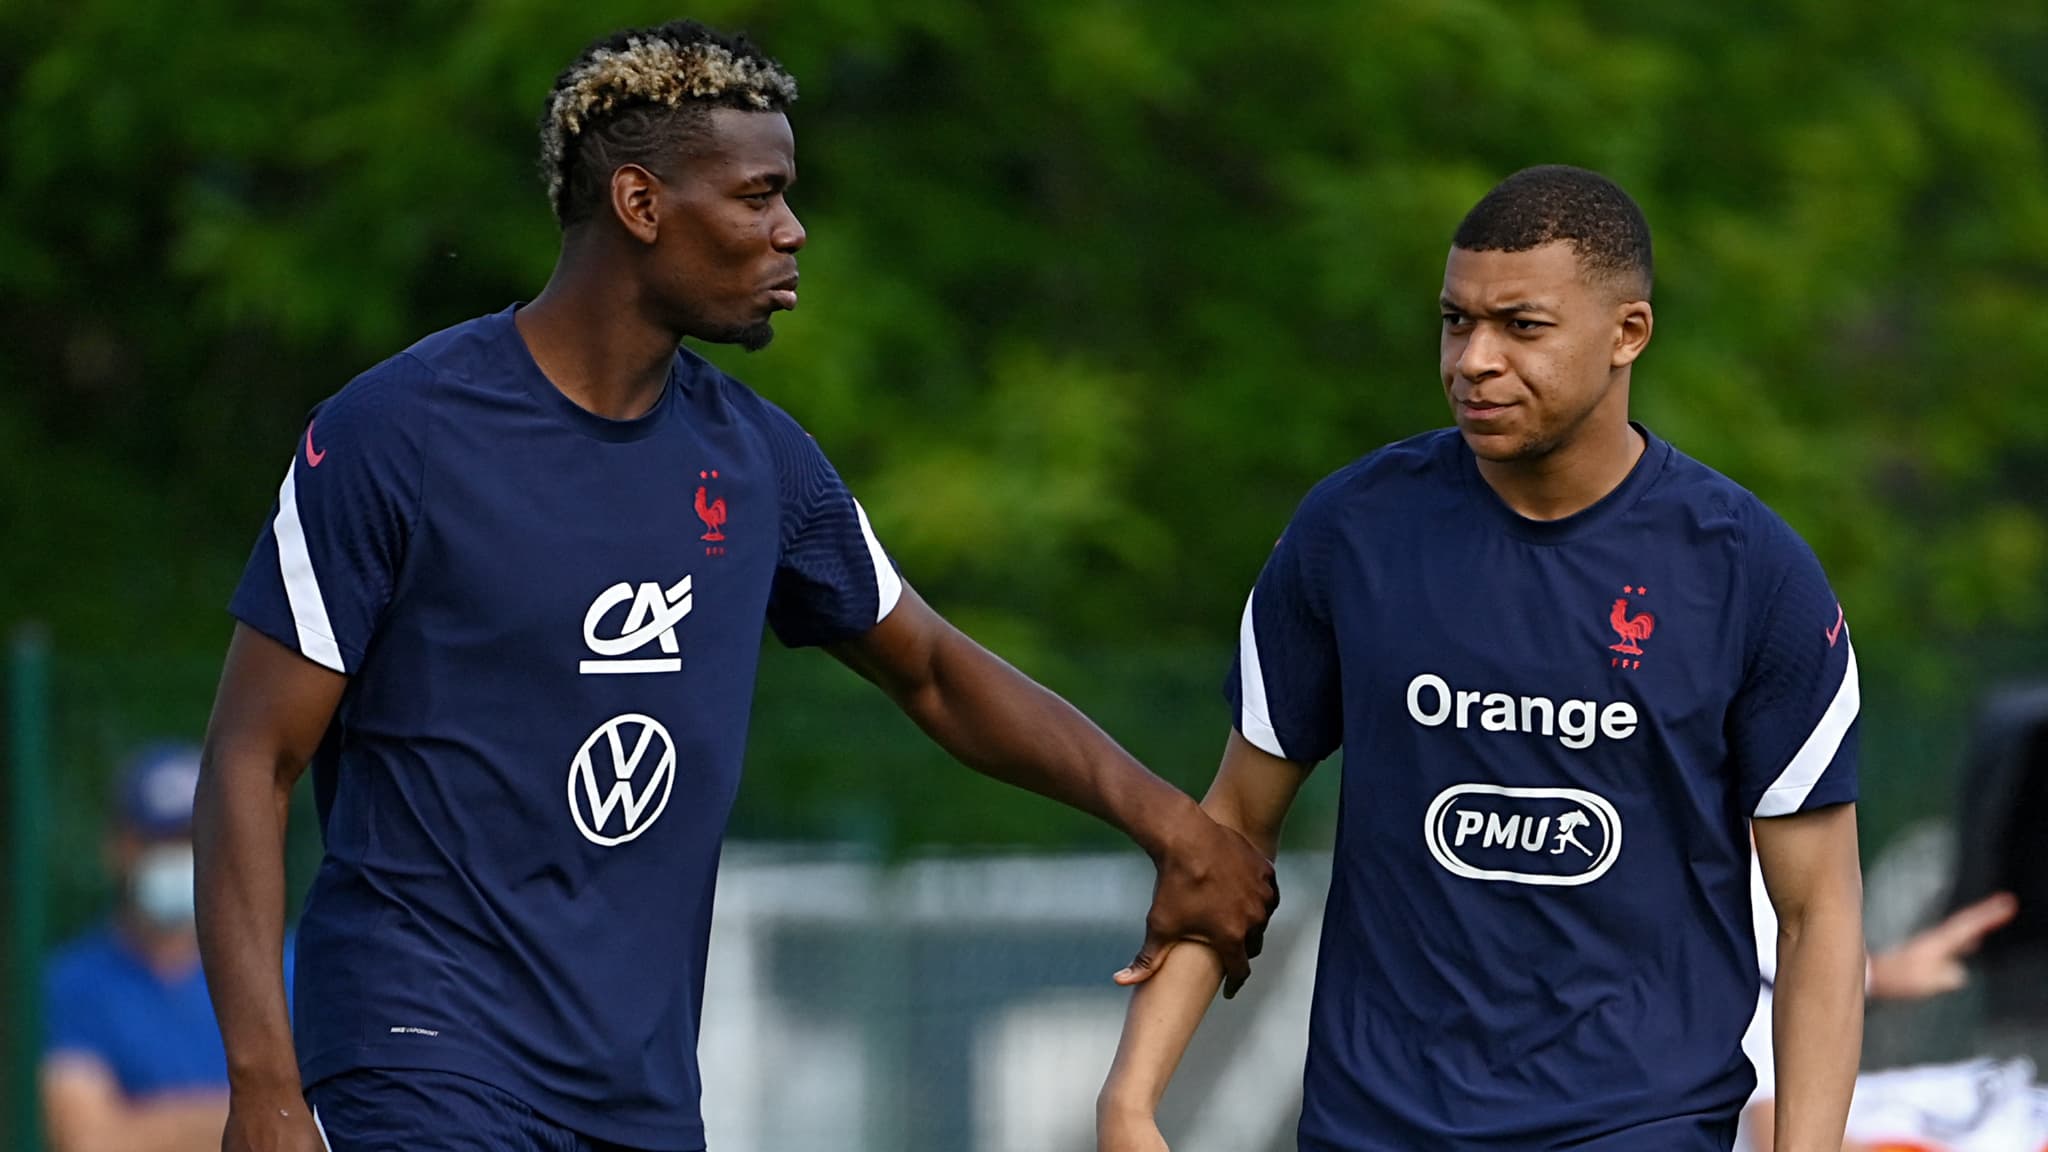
point(1835, 633)
point(313, 458)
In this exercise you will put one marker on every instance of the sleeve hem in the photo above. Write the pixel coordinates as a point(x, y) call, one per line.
point(287, 634)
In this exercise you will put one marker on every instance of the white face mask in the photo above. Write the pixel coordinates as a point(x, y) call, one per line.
point(162, 885)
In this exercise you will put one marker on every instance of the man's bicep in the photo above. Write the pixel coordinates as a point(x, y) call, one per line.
point(1808, 857)
point(896, 653)
point(273, 706)
point(1253, 792)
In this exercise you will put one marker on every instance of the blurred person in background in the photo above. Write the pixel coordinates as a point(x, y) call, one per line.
point(133, 1061)
point(509, 608)
point(1973, 1105)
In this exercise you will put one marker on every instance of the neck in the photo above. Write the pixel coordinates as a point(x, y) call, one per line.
point(168, 952)
point(594, 338)
point(1572, 478)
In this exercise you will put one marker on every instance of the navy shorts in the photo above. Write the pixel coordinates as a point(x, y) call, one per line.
point(371, 1110)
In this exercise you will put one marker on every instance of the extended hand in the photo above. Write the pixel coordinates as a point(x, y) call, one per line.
point(284, 1124)
point(1931, 963)
point(1213, 887)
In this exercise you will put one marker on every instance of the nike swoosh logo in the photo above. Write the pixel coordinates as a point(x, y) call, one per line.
point(313, 458)
point(1834, 633)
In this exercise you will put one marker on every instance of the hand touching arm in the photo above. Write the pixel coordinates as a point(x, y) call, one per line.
point(1251, 794)
point(1213, 886)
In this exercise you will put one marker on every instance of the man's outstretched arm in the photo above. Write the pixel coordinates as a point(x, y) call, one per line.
point(272, 709)
point(1810, 867)
point(1213, 886)
point(1252, 793)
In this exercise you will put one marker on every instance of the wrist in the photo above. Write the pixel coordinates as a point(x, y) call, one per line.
point(1123, 1099)
point(1166, 822)
point(266, 1082)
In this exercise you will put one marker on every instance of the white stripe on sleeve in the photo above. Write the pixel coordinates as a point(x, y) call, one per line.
point(888, 585)
point(1252, 716)
point(1789, 791)
point(301, 586)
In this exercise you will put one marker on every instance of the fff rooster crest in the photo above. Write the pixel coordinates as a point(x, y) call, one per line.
point(1633, 628)
point(712, 512)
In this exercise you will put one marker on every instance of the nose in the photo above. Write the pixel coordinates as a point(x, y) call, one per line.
point(788, 235)
point(1480, 357)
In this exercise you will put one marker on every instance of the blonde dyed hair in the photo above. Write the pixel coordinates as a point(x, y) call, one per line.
point(637, 96)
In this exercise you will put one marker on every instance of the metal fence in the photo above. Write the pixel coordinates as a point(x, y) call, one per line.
point(944, 1004)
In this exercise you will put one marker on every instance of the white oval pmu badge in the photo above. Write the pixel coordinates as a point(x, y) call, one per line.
point(1553, 836)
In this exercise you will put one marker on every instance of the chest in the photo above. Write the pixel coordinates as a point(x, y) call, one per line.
point(602, 557)
point(1588, 640)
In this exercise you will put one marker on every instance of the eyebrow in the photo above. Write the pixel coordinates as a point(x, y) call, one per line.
point(775, 180)
point(1509, 310)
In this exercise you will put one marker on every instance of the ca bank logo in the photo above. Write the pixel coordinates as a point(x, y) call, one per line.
point(631, 760)
point(651, 620)
point(1551, 836)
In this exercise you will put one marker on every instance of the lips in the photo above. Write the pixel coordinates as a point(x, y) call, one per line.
point(783, 294)
point(1482, 411)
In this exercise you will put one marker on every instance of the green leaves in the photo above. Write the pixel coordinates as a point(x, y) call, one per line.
point(1096, 290)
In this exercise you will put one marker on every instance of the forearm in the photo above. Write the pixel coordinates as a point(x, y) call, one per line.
point(239, 836)
point(1001, 723)
point(174, 1125)
point(1817, 1025)
point(1161, 1020)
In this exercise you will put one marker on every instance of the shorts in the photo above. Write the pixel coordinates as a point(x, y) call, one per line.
point(371, 1110)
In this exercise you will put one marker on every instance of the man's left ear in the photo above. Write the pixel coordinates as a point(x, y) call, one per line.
point(1632, 332)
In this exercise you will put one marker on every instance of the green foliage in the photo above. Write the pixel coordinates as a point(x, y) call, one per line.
point(1096, 290)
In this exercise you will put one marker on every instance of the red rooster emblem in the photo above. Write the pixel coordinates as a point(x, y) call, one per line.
point(1633, 629)
point(712, 513)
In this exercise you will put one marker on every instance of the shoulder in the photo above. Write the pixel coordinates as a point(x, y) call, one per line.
point(1713, 504)
point(391, 397)
point(458, 350)
point(716, 386)
point(398, 390)
point(1387, 477)
point(382, 418)
point(796, 453)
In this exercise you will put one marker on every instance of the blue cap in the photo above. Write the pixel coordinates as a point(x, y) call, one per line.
point(156, 788)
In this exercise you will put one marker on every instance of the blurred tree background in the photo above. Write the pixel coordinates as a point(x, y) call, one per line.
point(1095, 291)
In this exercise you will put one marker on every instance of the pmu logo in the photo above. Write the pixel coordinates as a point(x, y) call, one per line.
point(651, 620)
point(1551, 836)
point(626, 770)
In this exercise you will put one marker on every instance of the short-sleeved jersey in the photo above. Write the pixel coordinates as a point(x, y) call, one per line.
point(153, 1032)
point(550, 622)
point(1555, 733)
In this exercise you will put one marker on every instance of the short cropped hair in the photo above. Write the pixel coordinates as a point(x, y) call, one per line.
point(1553, 202)
point(641, 96)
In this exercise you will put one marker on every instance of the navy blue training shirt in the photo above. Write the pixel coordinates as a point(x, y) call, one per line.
point(550, 623)
point(1555, 734)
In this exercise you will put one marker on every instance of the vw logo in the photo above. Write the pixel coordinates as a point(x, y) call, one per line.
point(626, 770)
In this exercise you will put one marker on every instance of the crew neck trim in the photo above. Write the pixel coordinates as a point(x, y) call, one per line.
point(1648, 467)
point(557, 404)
